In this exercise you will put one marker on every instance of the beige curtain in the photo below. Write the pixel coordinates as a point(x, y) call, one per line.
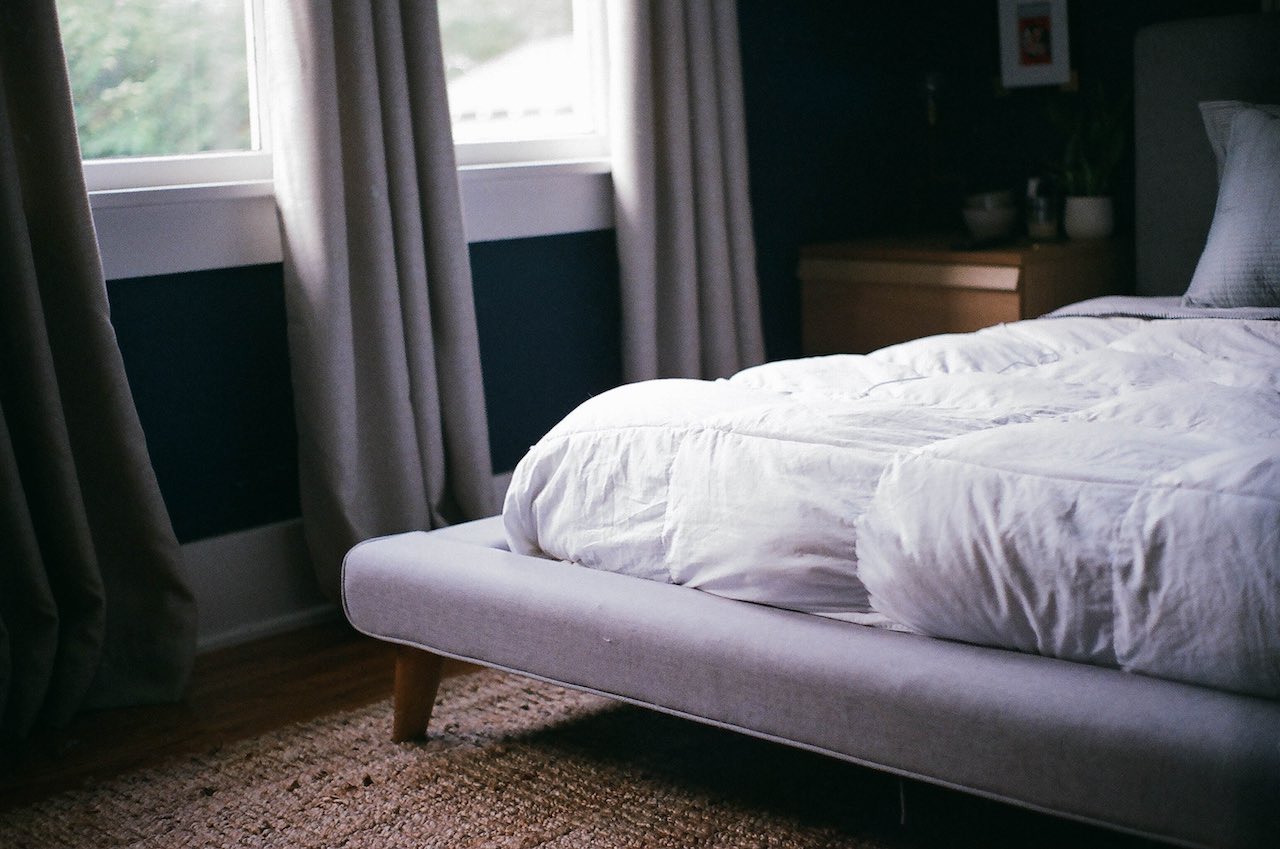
point(382, 334)
point(93, 609)
point(690, 297)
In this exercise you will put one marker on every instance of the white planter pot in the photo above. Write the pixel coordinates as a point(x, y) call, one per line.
point(1088, 217)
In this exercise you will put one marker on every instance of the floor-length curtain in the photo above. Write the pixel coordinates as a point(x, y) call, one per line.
point(690, 296)
point(93, 607)
point(382, 333)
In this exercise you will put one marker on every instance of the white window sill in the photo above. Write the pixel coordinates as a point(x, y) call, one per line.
point(144, 232)
point(535, 199)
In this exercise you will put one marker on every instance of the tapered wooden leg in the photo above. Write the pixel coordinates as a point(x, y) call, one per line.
point(417, 680)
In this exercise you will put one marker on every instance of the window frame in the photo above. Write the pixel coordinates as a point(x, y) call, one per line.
point(145, 173)
point(589, 18)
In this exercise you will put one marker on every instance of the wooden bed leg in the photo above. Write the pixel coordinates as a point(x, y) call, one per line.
point(417, 680)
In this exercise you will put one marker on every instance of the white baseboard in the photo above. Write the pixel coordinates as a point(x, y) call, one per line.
point(253, 583)
point(258, 629)
point(257, 582)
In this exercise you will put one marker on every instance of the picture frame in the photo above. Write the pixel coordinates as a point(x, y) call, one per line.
point(1034, 48)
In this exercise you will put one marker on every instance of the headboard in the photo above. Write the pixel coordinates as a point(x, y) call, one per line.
point(1177, 65)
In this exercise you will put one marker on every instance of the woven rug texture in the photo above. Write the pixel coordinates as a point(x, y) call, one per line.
point(522, 764)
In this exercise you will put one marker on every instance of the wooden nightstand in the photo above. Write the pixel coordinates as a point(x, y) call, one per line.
point(862, 295)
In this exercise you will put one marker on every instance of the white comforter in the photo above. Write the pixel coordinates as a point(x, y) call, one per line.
point(1098, 489)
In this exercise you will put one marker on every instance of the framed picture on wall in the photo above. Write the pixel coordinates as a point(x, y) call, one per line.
point(1033, 42)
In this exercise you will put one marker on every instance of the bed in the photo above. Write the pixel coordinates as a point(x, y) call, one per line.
point(866, 592)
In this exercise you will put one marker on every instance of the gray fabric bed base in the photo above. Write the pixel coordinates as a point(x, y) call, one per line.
point(1172, 761)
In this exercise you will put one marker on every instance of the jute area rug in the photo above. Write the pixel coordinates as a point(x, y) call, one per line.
point(517, 763)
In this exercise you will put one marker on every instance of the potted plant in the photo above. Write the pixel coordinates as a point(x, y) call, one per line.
point(1095, 130)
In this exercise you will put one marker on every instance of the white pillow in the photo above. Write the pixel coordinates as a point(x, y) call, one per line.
point(1240, 264)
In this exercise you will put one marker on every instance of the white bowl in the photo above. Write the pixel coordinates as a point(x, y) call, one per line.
point(988, 224)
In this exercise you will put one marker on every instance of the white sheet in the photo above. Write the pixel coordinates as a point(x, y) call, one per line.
point(1144, 306)
point(767, 488)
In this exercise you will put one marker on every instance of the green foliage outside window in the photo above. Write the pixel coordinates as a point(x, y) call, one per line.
point(171, 77)
point(157, 77)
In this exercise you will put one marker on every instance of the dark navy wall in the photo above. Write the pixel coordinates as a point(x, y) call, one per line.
point(208, 364)
point(207, 358)
point(836, 118)
point(548, 313)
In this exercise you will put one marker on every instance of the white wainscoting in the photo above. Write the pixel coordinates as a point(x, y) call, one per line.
point(253, 583)
point(258, 582)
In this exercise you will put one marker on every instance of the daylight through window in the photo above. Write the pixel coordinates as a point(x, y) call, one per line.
point(165, 91)
point(159, 77)
point(525, 72)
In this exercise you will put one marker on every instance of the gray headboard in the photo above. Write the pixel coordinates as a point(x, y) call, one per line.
point(1177, 65)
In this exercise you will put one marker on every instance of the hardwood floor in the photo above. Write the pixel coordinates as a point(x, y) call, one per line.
point(235, 693)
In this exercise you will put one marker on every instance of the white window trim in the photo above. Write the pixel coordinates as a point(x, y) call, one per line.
point(536, 199)
point(198, 169)
point(170, 230)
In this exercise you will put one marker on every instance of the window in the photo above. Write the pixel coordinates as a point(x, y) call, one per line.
point(165, 91)
point(526, 78)
point(173, 82)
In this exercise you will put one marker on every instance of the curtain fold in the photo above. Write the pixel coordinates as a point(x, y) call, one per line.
point(690, 295)
point(94, 610)
point(389, 398)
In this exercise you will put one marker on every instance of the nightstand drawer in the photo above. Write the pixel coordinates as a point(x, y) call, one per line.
point(844, 317)
point(889, 273)
point(860, 296)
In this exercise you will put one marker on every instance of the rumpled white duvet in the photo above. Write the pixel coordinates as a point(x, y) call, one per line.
point(1104, 490)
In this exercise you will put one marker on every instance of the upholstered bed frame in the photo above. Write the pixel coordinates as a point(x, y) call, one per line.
point(1181, 763)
